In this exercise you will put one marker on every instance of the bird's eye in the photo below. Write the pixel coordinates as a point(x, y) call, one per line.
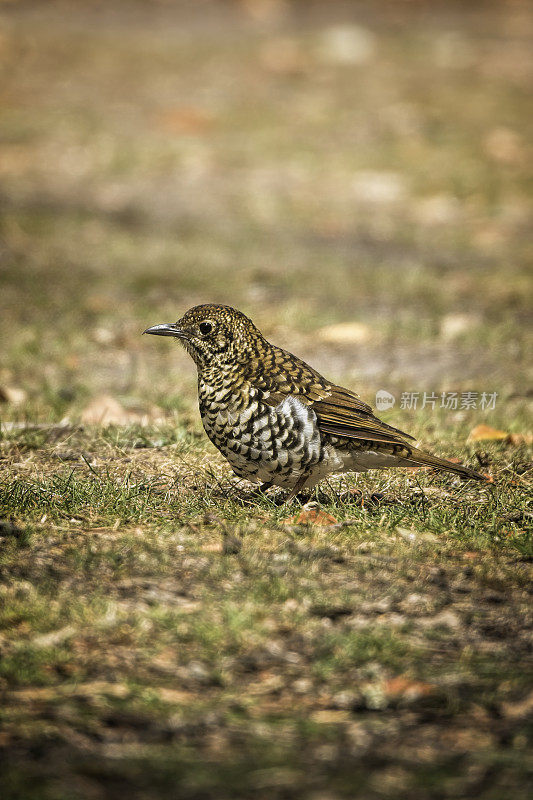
point(205, 328)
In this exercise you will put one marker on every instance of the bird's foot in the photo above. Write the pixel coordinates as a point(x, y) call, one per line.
point(297, 488)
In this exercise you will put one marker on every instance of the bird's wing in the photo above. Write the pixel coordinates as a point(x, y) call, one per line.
point(339, 411)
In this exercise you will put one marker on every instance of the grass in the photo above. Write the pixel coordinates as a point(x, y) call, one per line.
point(166, 631)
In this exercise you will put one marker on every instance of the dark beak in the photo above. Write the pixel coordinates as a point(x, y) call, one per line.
point(166, 329)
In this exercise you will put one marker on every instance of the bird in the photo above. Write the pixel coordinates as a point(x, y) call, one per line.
point(278, 421)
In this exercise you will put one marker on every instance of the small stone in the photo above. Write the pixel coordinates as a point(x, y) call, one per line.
point(345, 333)
point(198, 671)
point(441, 209)
point(462, 587)
point(347, 44)
point(344, 699)
point(292, 657)
point(454, 325)
point(302, 686)
point(372, 186)
point(383, 605)
point(290, 605)
point(447, 619)
point(13, 395)
point(406, 534)
point(414, 599)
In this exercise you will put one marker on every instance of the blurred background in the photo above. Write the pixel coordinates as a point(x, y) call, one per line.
point(355, 177)
point(352, 175)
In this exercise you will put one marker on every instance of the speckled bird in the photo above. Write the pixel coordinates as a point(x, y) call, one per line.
point(276, 419)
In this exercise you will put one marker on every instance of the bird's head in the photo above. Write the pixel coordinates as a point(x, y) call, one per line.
point(215, 336)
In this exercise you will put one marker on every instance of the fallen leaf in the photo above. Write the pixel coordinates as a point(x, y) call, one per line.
point(212, 547)
point(311, 516)
point(483, 433)
point(344, 333)
point(520, 438)
point(486, 433)
point(330, 716)
point(106, 410)
point(405, 688)
point(185, 121)
point(71, 361)
point(264, 11)
point(47, 693)
point(282, 56)
point(173, 695)
point(504, 145)
point(61, 428)
point(266, 684)
point(518, 709)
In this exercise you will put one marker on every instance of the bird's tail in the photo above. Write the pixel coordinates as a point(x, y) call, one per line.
point(418, 458)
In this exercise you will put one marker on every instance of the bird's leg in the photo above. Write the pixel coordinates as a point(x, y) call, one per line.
point(300, 483)
point(257, 491)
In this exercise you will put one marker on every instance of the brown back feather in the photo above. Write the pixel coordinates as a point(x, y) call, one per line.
point(339, 411)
